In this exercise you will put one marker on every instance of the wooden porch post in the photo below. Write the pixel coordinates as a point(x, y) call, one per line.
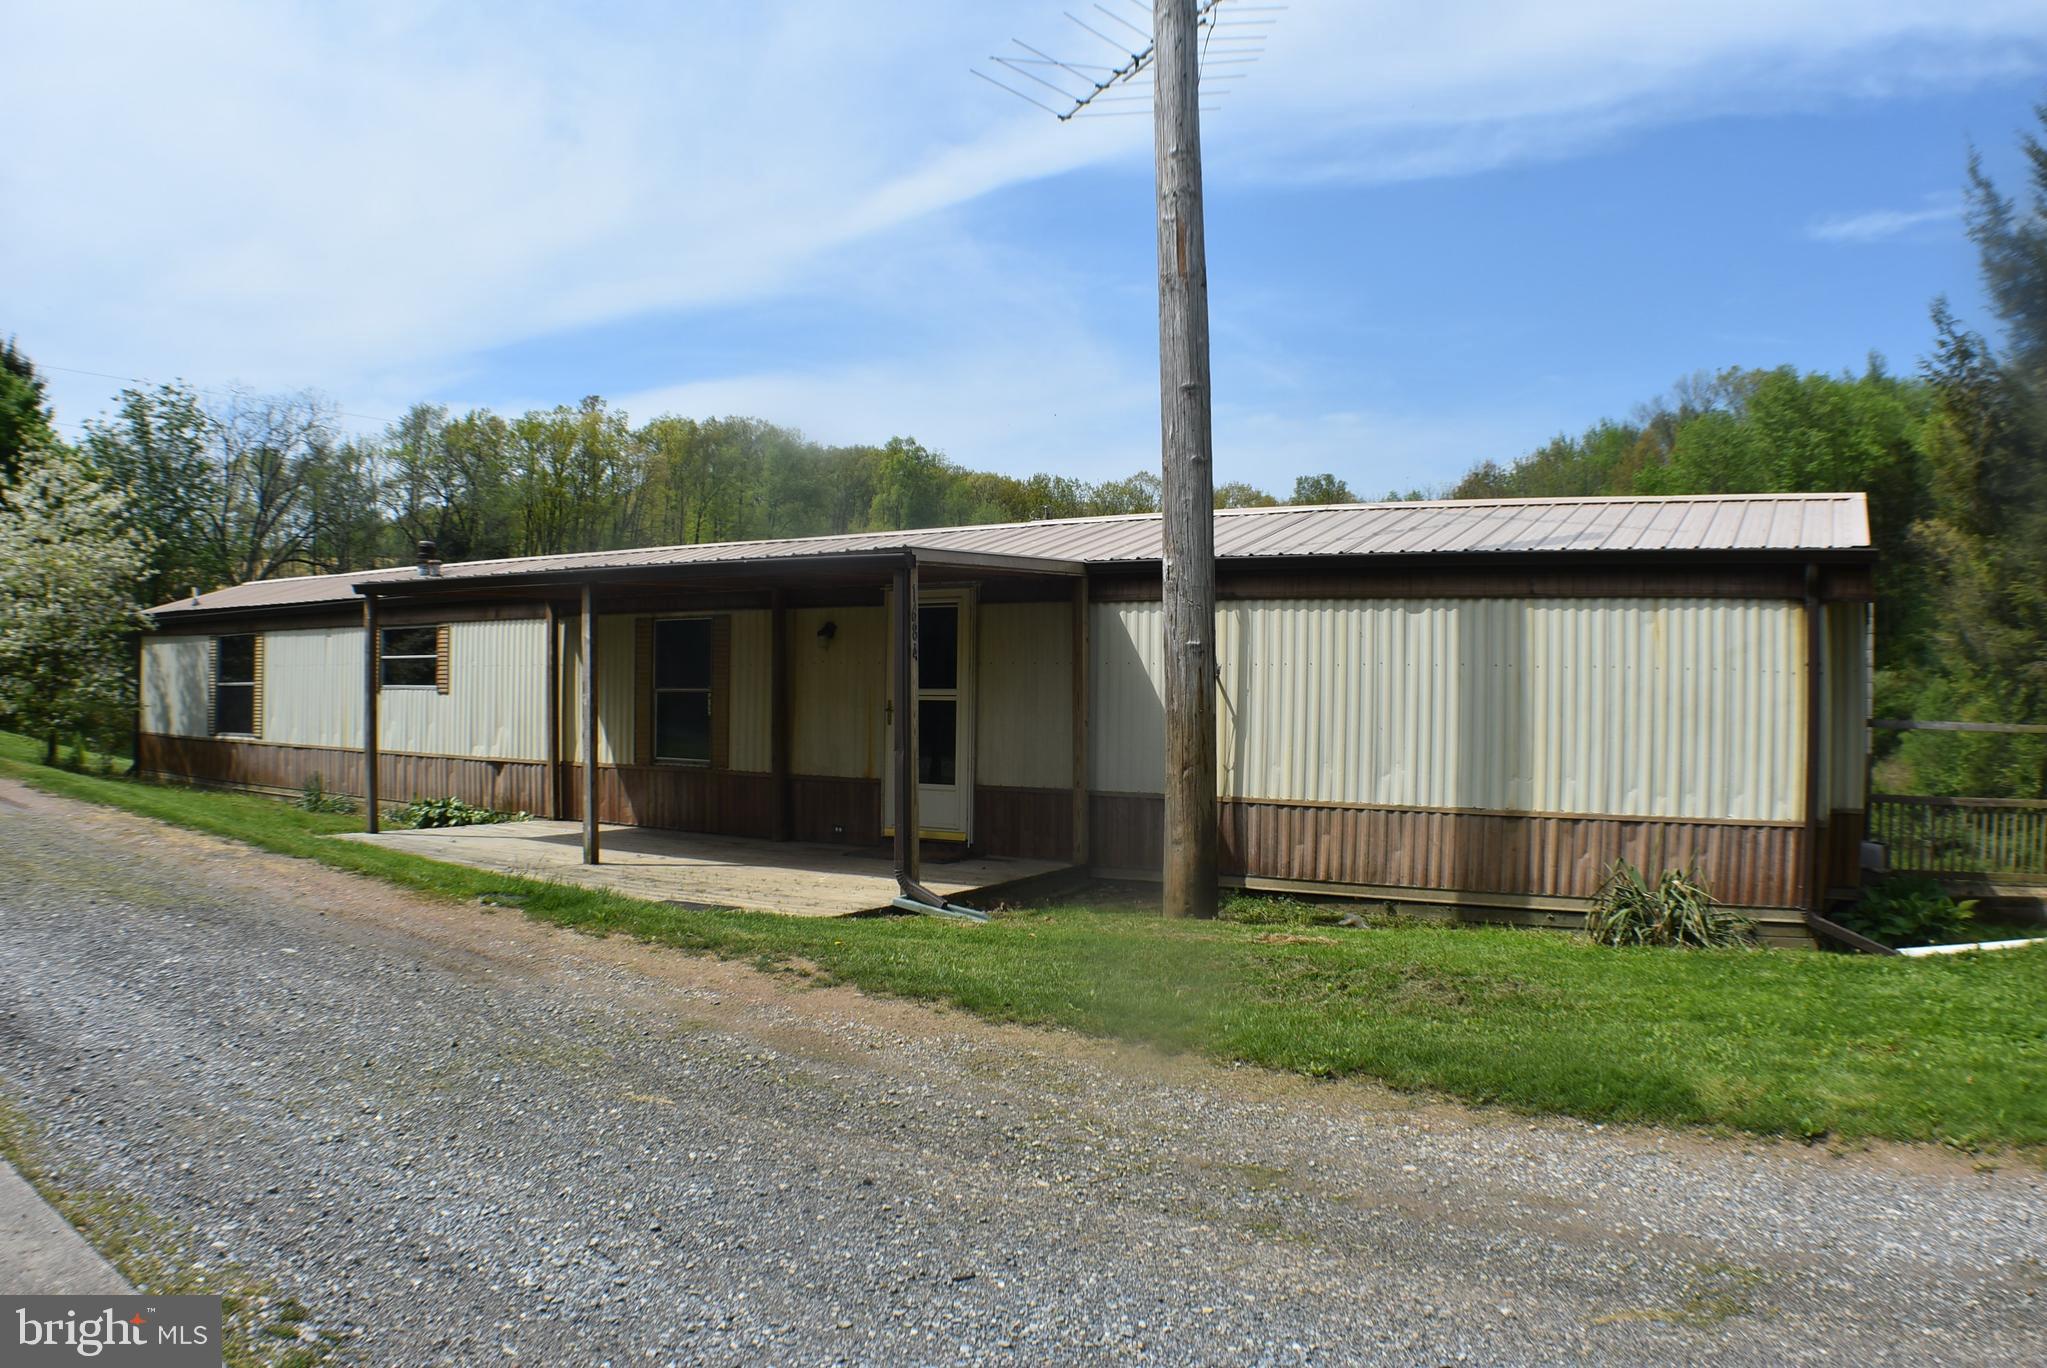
point(590, 842)
point(778, 711)
point(1082, 643)
point(908, 846)
point(551, 715)
point(369, 712)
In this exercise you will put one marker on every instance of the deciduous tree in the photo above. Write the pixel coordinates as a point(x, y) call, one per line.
point(69, 564)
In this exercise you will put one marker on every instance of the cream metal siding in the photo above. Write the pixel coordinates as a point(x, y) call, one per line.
point(614, 689)
point(312, 687)
point(1846, 695)
point(1025, 682)
point(493, 704)
point(1628, 707)
point(174, 678)
point(1126, 699)
point(836, 692)
point(752, 690)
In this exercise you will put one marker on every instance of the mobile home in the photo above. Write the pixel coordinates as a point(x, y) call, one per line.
point(1475, 704)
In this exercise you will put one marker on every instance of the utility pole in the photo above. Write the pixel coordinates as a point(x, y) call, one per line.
point(1187, 457)
point(1185, 38)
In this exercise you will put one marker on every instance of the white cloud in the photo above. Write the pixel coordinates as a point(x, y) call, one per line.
point(371, 198)
point(1877, 225)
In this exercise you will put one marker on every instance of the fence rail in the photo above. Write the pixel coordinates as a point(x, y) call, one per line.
point(2000, 837)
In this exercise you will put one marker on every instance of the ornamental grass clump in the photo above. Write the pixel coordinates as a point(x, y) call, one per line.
point(1674, 910)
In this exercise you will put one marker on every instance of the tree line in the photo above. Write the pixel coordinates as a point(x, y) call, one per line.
point(182, 491)
point(252, 486)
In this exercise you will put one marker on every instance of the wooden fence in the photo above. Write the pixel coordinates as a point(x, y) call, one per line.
point(1999, 838)
point(2004, 838)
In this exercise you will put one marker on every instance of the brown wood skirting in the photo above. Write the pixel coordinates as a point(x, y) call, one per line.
point(508, 785)
point(678, 797)
point(1491, 853)
point(1029, 823)
point(1542, 856)
point(828, 809)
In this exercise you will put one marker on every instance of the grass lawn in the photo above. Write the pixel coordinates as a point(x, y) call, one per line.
point(1949, 1048)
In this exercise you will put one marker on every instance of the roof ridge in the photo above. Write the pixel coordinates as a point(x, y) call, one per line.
point(1558, 500)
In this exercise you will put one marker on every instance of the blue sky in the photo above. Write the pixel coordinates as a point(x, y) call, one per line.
point(1437, 234)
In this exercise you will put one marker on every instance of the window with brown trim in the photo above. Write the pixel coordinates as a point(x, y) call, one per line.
point(409, 658)
point(234, 686)
point(682, 689)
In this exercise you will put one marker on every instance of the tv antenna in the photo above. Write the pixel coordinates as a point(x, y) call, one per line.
point(1230, 35)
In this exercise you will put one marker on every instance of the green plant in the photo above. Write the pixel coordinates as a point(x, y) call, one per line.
point(1675, 910)
point(1910, 910)
point(315, 798)
point(448, 812)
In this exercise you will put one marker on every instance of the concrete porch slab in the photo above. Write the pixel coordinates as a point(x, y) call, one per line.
point(793, 877)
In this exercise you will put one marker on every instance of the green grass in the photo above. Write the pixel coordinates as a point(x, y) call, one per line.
point(1947, 1049)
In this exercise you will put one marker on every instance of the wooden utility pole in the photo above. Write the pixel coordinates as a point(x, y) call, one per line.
point(1188, 554)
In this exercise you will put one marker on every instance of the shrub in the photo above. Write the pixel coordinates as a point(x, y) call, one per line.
point(448, 812)
point(313, 797)
point(1675, 910)
point(1910, 910)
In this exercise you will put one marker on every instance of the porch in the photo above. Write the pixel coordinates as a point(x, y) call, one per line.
point(830, 701)
point(798, 878)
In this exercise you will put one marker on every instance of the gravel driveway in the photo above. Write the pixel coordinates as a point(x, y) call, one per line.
point(465, 1138)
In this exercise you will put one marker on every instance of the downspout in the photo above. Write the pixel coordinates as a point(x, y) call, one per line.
point(912, 896)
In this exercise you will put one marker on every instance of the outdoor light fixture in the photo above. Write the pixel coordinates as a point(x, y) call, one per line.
point(827, 632)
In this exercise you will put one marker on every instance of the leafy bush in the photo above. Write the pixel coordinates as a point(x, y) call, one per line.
point(315, 798)
point(1910, 910)
point(1675, 910)
point(448, 812)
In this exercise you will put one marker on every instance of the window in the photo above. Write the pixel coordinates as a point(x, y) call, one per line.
point(234, 686)
point(409, 658)
point(682, 690)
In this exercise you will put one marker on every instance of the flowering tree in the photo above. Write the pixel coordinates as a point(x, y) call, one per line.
point(69, 564)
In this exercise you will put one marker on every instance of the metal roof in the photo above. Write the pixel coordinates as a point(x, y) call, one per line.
point(1790, 523)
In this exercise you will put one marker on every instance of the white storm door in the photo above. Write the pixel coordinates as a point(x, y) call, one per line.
point(945, 717)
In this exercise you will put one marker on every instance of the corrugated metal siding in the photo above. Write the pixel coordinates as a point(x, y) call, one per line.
point(174, 677)
point(312, 687)
point(1025, 682)
point(1651, 708)
point(1847, 697)
point(752, 691)
point(836, 692)
point(1126, 698)
point(493, 704)
point(615, 715)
